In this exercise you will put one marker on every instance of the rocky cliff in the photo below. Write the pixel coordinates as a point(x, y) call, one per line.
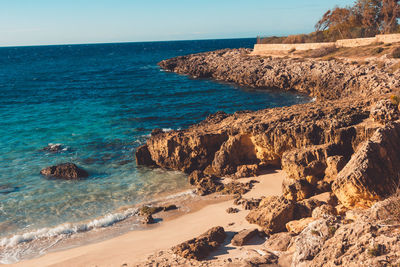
point(321, 79)
point(347, 142)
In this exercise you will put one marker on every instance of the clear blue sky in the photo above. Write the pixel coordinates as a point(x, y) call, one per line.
point(36, 22)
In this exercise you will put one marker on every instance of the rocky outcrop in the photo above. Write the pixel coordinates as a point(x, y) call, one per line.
point(373, 171)
point(199, 248)
point(274, 215)
point(322, 79)
point(67, 171)
point(371, 239)
point(222, 144)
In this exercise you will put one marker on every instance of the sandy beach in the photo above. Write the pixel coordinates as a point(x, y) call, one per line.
point(134, 247)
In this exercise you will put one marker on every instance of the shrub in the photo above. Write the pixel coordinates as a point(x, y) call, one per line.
point(376, 250)
point(395, 100)
point(377, 50)
point(396, 52)
point(323, 51)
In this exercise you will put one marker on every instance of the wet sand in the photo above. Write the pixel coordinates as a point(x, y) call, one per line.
point(134, 247)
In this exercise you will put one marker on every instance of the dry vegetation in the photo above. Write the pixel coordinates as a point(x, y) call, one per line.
point(365, 18)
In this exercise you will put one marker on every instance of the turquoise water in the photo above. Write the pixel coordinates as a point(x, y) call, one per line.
point(100, 102)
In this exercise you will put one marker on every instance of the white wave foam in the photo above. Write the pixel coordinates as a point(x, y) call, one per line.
point(190, 192)
point(67, 228)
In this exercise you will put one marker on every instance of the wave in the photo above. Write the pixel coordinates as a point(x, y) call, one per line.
point(67, 228)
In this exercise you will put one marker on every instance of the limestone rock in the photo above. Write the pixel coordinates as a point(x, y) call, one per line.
point(244, 236)
point(67, 171)
point(268, 259)
point(297, 226)
point(199, 248)
point(247, 171)
point(278, 241)
point(274, 215)
point(237, 151)
point(304, 208)
point(143, 156)
point(334, 165)
point(323, 79)
point(310, 241)
point(297, 190)
point(373, 171)
point(324, 211)
point(384, 111)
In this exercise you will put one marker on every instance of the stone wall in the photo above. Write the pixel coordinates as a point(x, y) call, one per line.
point(384, 38)
point(355, 42)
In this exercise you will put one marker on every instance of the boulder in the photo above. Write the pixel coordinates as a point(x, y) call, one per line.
point(310, 161)
point(297, 190)
point(304, 208)
point(247, 171)
point(324, 211)
point(297, 226)
point(232, 210)
point(150, 210)
point(373, 171)
point(200, 247)
point(310, 241)
point(274, 215)
point(249, 204)
point(148, 219)
point(278, 241)
point(244, 236)
point(266, 260)
point(67, 171)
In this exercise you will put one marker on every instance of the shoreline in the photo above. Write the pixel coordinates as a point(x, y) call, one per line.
point(132, 247)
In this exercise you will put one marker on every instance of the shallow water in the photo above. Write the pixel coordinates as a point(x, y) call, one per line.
point(100, 102)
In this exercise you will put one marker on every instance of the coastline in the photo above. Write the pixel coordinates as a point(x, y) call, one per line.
point(133, 247)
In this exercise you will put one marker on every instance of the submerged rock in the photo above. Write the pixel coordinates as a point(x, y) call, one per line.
point(54, 148)
point(67, 171)
point(200, 247)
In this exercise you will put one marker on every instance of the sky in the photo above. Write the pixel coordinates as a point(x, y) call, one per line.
point(43, 22)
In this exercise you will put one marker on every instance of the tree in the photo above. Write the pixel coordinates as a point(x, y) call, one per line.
point(389, 14)
point(368, 14)
point(337, 22)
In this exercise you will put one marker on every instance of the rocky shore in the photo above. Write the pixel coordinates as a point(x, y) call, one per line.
point(340, 153)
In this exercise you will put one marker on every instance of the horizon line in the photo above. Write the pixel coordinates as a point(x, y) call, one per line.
point(125, 42)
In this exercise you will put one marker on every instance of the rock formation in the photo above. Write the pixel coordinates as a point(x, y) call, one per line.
point(67, 171)
point(322, 79)
point(340, 152)
point(199, 248)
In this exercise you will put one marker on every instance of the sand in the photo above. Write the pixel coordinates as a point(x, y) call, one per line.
point(136, 246)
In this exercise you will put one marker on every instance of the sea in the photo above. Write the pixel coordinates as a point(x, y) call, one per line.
point(99, 102)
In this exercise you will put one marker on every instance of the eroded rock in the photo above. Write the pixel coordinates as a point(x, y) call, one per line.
point(200, 247)
point(274, 215)
point(373, 171)
point(244, 236)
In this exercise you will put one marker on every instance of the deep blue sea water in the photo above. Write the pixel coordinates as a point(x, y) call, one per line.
point(101, 102)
